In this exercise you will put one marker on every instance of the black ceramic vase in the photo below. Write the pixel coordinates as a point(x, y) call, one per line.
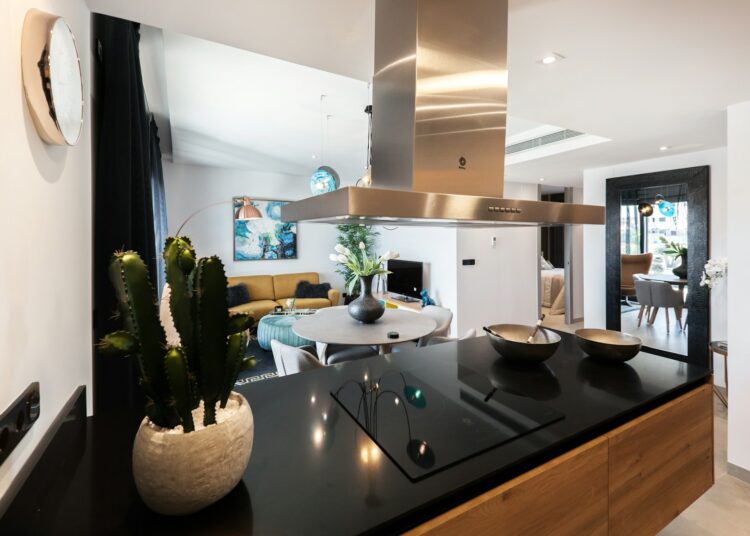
point(681, 270)
point(366, 308)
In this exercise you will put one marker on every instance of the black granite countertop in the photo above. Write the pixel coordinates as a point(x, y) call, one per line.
point(314, 470)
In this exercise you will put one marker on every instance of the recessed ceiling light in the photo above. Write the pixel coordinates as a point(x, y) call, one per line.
point(664, 148)
point(549, 59)
point(313, 157)
point(541, 179)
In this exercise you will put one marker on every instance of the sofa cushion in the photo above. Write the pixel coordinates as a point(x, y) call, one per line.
point(257, 309)
point(305, 289)
point(237, 295)
point(284, 285)
point(307, 303)
point(260, 287)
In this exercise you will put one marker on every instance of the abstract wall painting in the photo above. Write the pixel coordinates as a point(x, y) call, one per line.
point(267, 238)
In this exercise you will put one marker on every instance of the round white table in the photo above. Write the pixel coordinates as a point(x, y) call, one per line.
point(333, 325)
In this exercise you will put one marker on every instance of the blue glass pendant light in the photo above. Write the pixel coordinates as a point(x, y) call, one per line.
point(324, 180)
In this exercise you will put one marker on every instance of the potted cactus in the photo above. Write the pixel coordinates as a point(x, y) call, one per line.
point(194, 443)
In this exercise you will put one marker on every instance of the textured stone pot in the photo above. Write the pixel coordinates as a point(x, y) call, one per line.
point(178, 473)
point(366, 308)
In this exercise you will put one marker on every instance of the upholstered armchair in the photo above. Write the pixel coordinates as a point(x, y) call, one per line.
point(629, 266)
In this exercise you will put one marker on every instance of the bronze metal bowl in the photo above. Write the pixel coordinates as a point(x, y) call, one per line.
point(608, 345)
point(510, 342)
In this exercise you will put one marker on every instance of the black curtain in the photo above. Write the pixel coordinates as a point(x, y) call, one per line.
point(124, 159)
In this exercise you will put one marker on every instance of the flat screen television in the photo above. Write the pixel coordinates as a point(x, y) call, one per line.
point(405, 278)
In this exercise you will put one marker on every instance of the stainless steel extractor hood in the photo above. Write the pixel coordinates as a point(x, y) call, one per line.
point(438, 133)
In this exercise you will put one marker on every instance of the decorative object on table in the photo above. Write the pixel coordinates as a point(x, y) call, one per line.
point(538, 325)
point(279, 327)
point(511, 342)
point(290, 303)
point(608, 345)
point(187, 453)
point(324, 180)
point(264, 238)
point(676, 249)
point(426, 300)
point(367, 308)
point(713, 272)
point(52, 79)
point(350, 236)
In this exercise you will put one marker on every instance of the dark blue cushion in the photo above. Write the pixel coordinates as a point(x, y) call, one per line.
point(305, 289)
point(237, 295)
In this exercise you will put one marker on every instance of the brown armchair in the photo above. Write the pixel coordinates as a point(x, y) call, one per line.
point(629, 266)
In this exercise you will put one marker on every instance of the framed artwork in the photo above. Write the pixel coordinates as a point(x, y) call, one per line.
point(267, 238)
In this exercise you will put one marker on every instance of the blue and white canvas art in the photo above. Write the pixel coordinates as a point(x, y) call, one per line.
point(267, 238)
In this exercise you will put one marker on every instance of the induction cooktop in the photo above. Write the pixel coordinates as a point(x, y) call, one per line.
point(426, 421)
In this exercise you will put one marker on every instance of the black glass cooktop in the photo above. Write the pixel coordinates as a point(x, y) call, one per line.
point(426, 421)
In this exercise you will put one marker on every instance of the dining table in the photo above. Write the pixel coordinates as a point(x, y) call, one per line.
point(667, 278)
point(333, 325)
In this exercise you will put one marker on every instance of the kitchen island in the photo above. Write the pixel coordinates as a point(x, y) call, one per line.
point(618, 449)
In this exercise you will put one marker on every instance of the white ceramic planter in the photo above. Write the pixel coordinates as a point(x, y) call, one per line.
point(178, 473)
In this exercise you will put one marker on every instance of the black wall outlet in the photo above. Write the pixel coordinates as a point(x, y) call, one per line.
point(468, 262)
point(17, 419)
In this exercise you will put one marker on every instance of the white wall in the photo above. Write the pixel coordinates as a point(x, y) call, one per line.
point(576, 257)
point(45, 275)
point(190, 188)
point(738, 141)
point(594, 192)
point(502, 287)
point(434, 246)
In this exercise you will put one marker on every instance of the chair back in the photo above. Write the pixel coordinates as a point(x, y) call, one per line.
point(291, 360)
point(439, 340)
point(643, 292)
point(631, 265)
point(442, 316)
point(663, 295)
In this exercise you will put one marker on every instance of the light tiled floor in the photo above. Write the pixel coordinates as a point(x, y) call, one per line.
point(724, 510)
point(656, 335)
point(558, 322)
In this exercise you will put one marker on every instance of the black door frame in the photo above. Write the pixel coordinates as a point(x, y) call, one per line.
point(698, 300)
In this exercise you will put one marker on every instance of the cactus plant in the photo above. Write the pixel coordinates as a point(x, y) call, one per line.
point(210, 355)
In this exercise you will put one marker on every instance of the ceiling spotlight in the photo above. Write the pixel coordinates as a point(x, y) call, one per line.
point(541, 179)
point(664, 148)
point(549, 59)
point(313, 157)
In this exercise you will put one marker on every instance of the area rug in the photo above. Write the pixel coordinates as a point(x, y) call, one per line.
point(264, 368)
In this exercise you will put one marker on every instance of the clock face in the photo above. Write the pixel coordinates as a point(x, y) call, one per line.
point(65, 81)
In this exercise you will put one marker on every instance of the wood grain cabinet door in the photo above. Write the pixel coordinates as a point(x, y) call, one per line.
point(660, 463)
point(566, 496)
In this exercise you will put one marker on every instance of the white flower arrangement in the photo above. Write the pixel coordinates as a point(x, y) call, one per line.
point(714, 271)
point(359, 263)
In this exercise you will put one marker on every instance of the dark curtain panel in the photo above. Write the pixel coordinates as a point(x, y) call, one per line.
point(123, 195)
point(159, 204)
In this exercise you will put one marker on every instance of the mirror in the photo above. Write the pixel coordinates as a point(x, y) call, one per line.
point(657, 244)
point(52, 77)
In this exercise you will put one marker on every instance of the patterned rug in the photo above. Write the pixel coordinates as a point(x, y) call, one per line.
point(264, 368)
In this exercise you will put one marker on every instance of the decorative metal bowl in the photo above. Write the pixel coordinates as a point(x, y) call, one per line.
point(608, 345)
point(510, 341)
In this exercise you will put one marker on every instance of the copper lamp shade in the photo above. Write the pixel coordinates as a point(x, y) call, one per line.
point(247, 211)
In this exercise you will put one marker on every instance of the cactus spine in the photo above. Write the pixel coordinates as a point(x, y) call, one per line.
point(212, 343)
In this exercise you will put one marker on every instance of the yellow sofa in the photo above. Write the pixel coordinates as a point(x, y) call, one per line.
point(268, 291)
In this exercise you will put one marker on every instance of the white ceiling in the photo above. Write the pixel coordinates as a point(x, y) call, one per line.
point(642, 73)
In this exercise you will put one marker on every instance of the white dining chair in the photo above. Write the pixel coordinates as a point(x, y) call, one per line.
point(439, 340)
point(291, 360)
point(666, 297)
point(643, 295)
point(442, 317)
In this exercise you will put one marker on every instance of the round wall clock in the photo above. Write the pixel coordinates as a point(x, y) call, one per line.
point(52, 77)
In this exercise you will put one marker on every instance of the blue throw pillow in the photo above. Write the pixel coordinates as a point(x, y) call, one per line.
point(237, 295)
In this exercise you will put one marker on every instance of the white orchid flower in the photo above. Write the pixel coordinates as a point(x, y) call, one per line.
point(341, 249)
point(342, 259)
point(333, 257)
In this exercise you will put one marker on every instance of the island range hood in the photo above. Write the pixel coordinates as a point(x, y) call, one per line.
point(438, 130)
